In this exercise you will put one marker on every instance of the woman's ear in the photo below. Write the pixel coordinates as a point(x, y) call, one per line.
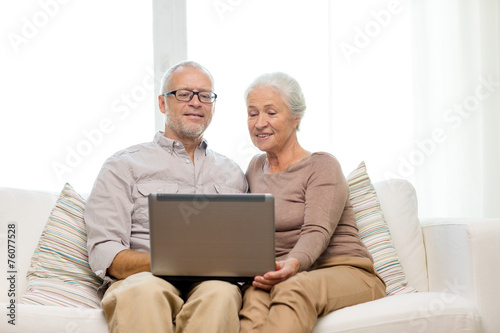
point(296, 123)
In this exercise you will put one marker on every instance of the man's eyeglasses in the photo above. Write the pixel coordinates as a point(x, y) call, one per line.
point(184, 95)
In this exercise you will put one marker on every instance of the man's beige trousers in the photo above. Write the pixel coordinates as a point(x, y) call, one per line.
point(145, 303)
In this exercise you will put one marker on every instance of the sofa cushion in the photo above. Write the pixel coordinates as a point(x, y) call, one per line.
point(59, 273)
point(27, 211)
point(55, 319)
point(420, 312)
point(374, 231)
point(398, 201)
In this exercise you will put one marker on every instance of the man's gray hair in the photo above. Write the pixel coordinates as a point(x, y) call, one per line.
point(287, 87)
point(167, 77)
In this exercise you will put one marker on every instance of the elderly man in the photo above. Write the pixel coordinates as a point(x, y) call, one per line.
point(177, 161)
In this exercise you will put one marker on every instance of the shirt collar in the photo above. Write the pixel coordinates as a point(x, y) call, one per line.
point(171, 145)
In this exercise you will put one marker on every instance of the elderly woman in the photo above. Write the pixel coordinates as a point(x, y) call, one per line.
point(322, 263)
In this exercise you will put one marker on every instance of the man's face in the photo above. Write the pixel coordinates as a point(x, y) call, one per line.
point(187, 120)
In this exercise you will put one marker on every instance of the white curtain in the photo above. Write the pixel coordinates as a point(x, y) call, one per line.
point(456, 66)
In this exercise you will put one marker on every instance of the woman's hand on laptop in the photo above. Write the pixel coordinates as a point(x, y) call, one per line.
point(285, 269)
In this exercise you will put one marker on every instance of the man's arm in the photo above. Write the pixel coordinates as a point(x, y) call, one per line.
point(128, 262)
point(108, 217)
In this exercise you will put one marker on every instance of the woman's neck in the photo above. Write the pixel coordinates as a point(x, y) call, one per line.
point(277, 162)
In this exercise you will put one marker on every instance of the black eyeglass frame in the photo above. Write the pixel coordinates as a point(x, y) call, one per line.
point(174, 92)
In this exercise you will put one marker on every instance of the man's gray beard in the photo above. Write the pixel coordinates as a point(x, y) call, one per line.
point(183, 131)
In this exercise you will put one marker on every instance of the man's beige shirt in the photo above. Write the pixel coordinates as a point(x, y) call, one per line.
point(116, 213)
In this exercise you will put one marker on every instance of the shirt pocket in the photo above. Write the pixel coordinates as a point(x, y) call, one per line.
point(141, 193)
point(220, 189)
point(146, 189)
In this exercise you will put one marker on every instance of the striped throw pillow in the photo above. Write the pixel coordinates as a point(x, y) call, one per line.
point(59, 273)
point(375, 233)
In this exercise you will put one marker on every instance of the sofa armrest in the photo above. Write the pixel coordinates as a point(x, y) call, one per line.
point(463, 257)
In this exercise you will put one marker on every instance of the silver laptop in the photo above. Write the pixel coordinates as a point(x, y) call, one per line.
point(211, 236)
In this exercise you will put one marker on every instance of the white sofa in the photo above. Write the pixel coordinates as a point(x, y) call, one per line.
point(453, 263)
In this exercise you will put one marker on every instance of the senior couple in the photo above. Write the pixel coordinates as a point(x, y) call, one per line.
point(322, 265)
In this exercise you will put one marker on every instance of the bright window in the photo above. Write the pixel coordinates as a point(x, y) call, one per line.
point(77, 85)
point(352, 59)
point(77, 80)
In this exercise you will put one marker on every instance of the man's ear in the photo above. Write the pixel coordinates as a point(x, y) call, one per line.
point(213, 106)
point(161, 103)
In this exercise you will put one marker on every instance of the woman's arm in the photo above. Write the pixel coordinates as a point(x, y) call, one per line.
point(326, 195)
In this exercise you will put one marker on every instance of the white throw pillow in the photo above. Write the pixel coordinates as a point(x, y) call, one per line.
point(398, 201)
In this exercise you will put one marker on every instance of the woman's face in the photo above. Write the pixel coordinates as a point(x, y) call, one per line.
point(270, 123)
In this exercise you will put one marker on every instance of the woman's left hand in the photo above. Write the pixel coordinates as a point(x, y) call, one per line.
point(284, 270)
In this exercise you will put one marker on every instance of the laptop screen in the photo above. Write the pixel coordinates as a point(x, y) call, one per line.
point(211, 236)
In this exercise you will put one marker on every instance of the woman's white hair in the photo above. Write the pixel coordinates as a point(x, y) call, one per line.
point(287, 87)
point(167, 77)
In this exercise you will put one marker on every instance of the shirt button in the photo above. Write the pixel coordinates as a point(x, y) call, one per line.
point(187, 161)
